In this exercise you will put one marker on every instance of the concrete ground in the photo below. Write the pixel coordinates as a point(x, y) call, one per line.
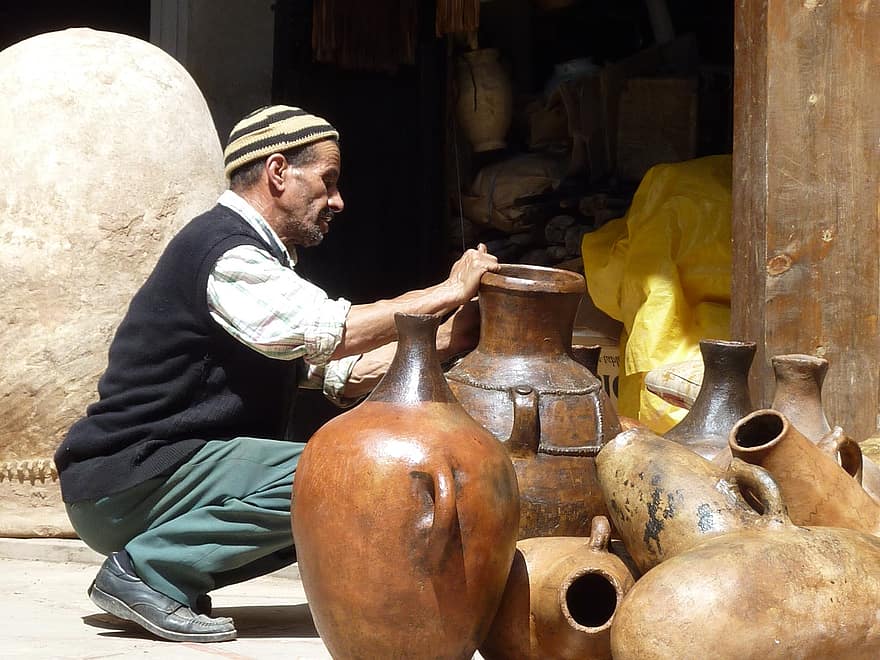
point(45, 612)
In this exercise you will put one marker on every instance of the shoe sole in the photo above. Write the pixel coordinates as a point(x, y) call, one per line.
point(117, 608)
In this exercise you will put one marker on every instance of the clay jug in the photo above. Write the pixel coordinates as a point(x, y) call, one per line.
point(484, 105)
point(522, 384)
point(798, 396)
point(816, 489)
point(798, 393)
point(560, 599)
point(772, 592)
point(663, 498)
point(404, 516)
point(724, 397)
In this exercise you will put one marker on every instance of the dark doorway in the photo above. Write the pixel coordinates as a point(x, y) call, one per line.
point(388, 239)
point(21, 20)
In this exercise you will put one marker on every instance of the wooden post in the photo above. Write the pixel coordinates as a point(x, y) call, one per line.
point(806, 195)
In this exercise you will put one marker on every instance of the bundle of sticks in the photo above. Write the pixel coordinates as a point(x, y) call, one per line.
point(374, 36)
point(381, 35)
point(457, 16)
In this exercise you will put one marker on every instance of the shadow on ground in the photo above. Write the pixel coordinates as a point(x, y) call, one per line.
point(259, 621)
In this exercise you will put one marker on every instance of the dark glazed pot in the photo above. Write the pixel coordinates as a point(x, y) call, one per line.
point(522, 383)
point(405, 514)
point(723, 400)
point(560, 599)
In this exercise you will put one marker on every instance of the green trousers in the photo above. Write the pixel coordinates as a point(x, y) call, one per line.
point(221, 518)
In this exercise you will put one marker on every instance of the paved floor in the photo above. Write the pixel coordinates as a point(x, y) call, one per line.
point(45, 613)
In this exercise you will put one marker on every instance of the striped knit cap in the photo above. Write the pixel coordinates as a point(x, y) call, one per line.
point(273, 129)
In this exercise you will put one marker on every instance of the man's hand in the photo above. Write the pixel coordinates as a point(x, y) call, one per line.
point(460, 332)
point(466, 272)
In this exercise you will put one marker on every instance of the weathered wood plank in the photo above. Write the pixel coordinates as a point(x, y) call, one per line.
point(806, 221)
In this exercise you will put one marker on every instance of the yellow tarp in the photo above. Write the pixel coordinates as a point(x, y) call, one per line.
point(663, 270)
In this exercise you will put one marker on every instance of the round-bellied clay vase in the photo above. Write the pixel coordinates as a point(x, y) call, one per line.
point(404, 516)
point(664, 498)
point(560, 599)
point(724, 397)
point(816, 489)
point(523, 384)
point(768, 593)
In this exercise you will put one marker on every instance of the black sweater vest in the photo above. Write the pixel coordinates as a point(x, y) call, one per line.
point(175, 379)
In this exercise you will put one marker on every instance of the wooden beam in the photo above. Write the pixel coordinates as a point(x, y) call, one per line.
point(806, 195)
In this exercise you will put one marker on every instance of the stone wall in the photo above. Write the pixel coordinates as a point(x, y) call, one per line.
point(107, 148)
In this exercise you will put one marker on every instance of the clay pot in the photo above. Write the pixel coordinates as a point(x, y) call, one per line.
point(816, 489)
point(868, 472)
point(588, 356)
point(798, 393)
point(484, 106)
point(663, 498)
point(724, 397)
point(522, 384)
point(560, 599)
point(404, 516)
point(776, 592)
point(798, 396)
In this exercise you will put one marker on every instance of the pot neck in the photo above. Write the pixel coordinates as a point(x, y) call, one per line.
point(524, 322)
point(415, 374)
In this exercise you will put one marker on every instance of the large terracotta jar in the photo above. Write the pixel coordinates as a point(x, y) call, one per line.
point(770, 593)
point(798, 396)
point(663, 498)
point(724, 397)
point(522, 383)
point(404, 516)
point(560, 599)
point(816, 489)
point(484, 106)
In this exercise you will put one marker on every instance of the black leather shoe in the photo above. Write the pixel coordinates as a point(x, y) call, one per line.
point(123, 594)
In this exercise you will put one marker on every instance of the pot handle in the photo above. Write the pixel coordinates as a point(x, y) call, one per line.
point(600, 533)
point(526, 432)
point(845, 451)
point(758, 482)
point(443, 525)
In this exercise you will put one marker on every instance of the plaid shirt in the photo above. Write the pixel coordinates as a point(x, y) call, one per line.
point(264, 304)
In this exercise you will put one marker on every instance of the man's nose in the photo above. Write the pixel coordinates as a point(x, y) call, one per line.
point(335, 202)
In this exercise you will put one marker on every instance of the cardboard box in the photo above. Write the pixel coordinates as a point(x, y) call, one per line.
point(608, 369)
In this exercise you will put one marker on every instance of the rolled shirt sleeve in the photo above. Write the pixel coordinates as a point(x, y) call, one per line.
point(331, 379)
point(273, 310)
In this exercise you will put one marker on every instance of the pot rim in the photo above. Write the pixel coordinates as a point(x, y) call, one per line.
point(525, 277)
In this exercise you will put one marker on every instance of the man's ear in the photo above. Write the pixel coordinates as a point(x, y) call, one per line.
point(276, 164)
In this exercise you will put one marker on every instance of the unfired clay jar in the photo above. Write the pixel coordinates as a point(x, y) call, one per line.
point(522, 384)
point(815, 488)
point(663, 498)
point(484, 106)
point(404, 516)
point(798, 396)
point(777, 592)
point(560, 599)
point(724, 397)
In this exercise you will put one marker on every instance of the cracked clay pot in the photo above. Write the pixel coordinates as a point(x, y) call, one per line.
point(405, 514)
point(664, 498)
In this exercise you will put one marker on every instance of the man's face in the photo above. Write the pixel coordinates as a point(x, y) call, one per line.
point(311, 197)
